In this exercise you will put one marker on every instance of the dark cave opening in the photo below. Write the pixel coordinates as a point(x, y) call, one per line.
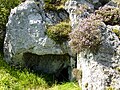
point(63, 76)
point(54, 66)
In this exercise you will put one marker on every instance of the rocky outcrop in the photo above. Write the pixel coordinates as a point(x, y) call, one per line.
point(26, 43)
point(100, 70)
point(76, 13)
point(55, 16)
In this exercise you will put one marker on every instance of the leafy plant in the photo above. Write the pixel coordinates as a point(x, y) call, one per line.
point(60, 32)
point(87, 35)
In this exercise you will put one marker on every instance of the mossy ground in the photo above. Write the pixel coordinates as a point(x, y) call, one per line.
point(23, 79)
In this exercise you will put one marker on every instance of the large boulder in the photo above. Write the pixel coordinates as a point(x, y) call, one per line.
point(101, 70)
point(26, 43)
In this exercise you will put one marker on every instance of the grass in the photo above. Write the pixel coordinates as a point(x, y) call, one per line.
point(22, 79)
point(66, 86)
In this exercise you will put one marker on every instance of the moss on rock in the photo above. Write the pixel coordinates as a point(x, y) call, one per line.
point(60, 32)
point(54, 4)
point(116, 31)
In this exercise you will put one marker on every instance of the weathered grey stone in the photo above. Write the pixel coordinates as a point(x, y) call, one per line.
point(99, 70)
point(26, 34)
point(53, 16)
point(75, 15)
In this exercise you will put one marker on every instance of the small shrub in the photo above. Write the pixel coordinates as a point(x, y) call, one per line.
point(109, 14)
point(60, 32)
point(86, 36)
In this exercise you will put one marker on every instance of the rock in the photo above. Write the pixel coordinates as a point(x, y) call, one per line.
point(55, 16)
point(80, 9)
point(99, 69)
point(76, 13)
point(26, 43)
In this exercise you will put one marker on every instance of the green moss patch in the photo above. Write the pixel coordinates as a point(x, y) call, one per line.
point(54, 4)
point(116, 31)
point(60, 32)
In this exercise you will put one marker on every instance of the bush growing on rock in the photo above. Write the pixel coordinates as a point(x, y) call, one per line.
point(87, 35)
point(60, 32)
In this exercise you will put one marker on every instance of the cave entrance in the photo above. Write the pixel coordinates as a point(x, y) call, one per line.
point(63, 75)
point(55, 65)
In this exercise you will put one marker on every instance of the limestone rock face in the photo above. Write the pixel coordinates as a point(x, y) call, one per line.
point(101, 70)
point(26, 34)
point(73, 7)
point(53, 16)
